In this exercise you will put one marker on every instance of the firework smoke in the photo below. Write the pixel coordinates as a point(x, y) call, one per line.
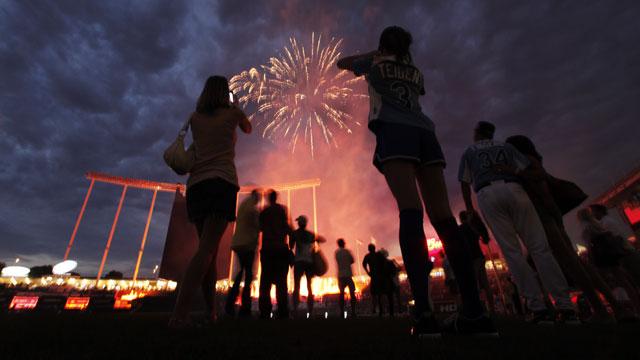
point(301, 92)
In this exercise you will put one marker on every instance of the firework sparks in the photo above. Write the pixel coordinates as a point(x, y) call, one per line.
point(300, 93)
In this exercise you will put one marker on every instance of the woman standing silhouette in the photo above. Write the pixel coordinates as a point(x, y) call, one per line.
point(407, 151)
point(211, 190)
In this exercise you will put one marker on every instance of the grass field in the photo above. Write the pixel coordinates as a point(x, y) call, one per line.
point(145, 336)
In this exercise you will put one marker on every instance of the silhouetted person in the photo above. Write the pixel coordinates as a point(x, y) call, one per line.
point(274, 257)
point(513, 220)
point(244, 243)
point(535, 181)
point(630, 260)
point(449, 276)
point(373, 266)
point(389, 272)
point(344, 259)
point(610, 223)
point(395, 282)
point(474, 233)
point(211, 190)
point(302, 242)
point(407, 151)
point(605, 252)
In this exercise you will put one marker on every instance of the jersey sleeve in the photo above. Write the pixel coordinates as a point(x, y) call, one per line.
point(362, 66)
point(464, 171)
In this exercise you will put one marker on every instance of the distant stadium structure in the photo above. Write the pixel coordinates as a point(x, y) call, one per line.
point(181, 240)
point(624, 196)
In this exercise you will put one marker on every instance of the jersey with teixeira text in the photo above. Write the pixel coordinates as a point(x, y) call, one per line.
point(478, 163)
point(394, 92)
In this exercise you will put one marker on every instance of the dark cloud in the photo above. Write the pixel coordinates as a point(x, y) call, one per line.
point(105, 86)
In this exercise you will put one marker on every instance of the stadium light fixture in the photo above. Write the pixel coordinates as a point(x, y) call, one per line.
point(15, 271)
point(64, 267)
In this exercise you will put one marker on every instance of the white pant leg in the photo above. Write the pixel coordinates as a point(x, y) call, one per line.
point(494, 202)
point(531, 231)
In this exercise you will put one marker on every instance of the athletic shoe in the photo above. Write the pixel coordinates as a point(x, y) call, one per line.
point(542, 317)
point(568, 317)
point(480, 326)
point(426, 326)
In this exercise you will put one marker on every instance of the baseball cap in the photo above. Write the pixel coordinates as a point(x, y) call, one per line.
point(301, 217)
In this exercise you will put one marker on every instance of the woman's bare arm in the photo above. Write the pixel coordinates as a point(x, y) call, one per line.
point(346, 63)
point(243, 123)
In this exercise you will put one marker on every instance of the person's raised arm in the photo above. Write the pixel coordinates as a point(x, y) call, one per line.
point(346, 63)
point(243, 122)
point(245, 125)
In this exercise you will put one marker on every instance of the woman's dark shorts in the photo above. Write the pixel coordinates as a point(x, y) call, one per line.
point(212, 197)
point(412, 143)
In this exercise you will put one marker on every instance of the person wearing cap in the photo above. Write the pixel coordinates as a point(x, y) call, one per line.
point(302, 241)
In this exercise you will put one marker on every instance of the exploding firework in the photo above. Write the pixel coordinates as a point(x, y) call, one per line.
point(300, 93)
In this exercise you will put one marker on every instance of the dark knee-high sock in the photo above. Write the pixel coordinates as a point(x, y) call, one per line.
point(459, 255)
point(416, 257)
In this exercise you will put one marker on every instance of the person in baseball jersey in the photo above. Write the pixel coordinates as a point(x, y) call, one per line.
point(409, 156)
point(510, 215)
